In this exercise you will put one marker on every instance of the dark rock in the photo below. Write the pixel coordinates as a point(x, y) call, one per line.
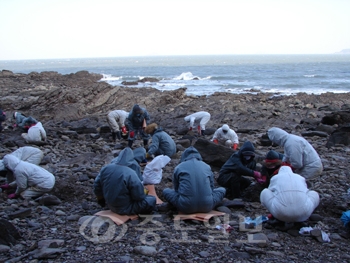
point(212, 153)
point(49, 200)
point(22, 213)
point(339, 117)
point(339, 136)
point(9, 235)
point(314, 133)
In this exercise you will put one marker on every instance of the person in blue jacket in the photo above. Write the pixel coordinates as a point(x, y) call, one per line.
point(23, 121)
point(137, 121)
point(162, 143)
point(193, 182)
point(121, 189)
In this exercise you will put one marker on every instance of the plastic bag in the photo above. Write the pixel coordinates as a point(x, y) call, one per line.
point(153, 172)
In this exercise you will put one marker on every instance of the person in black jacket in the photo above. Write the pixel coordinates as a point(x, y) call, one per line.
point(137, 121)
point(238, 165)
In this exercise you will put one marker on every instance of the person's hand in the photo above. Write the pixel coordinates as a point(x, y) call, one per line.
point(132, 134)
point(216, 141)
point(234, 146)
point(101, 201)
point(12, 196)
point(259, 178)
point(5, 186)
point(190, 128)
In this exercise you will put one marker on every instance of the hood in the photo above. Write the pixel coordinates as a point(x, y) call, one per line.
point(10, 161)
point(137, 109)
point(190, 153)
point(125, 158)
point(247, 149)
point(277, 136)
point(187, 118)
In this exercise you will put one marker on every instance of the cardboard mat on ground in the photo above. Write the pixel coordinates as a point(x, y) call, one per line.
point(198, 216)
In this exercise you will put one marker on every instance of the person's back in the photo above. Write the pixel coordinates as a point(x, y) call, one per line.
point(36, 133)
point(162, 143)
point(287, 198)
point(298, 152)
point(193, 185)
point(121, 187)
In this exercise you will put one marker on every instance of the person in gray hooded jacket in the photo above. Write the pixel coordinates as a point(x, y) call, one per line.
point(298, 152)
point(193, 182)
point(162, 143)
point(119, 186)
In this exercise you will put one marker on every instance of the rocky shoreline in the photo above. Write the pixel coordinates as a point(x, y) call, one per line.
point(73, 110)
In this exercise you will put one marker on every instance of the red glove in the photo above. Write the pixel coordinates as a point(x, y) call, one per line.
point(234, 146)
point(260, 179)
point(124, 130)
point(4, 186)
point(190, 128)
point(132, 134)
point(12, 196)
point(216, 141)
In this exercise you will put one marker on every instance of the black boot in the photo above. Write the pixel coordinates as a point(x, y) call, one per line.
point(130, 142)
point(114, 136)
point(202, 132)
point(119, 136)
point(145, 142)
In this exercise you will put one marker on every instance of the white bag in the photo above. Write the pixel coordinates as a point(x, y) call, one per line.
point(153, 171)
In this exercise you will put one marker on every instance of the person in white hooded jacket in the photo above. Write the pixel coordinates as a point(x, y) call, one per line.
point(117, 123)
point(226, 136)
point(36, 133)
point(201, 118)
point(31, 180)
point(287, 198)
point(298, 152)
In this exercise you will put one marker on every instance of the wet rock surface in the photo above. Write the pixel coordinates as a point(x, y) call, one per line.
point(60, 226)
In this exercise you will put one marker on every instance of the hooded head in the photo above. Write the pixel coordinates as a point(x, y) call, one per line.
point(10, 161)
point(151, 128)
point(190, 153)
point(272, 160)
point(225, 128)
point(137, 109)
point(247, 151)
point(277, 136)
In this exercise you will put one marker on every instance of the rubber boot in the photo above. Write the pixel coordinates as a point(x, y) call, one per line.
point(130, 142)
point(145, 142)
point(114, 136)
point(119, 136)
point(202, 132)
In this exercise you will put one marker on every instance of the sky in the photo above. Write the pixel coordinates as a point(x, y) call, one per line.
point(48, 29)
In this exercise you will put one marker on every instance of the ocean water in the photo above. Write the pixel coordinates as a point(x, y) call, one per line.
point(204, 75)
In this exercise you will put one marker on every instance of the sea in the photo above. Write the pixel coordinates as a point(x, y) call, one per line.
point(207, 74)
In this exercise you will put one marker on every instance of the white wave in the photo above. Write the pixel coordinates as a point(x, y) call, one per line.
point(109, 77)
point(185, 76)
point(309, 76)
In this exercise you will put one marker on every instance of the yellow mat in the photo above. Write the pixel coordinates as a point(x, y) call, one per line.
point(116, 218)
point(198, 216)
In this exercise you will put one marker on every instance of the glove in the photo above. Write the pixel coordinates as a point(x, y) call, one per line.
point(234, 146)
point(145, 190)
point(132, 134)
point(149, 156)
point(5, 186)
point(123, 130)
point(216, 141)
point(259, 178)
point(101, 201)
point(12, 196)
point(190, 129)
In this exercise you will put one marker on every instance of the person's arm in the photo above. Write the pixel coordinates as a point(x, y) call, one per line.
point(22, 183)
point(154, 145)
point(135, 187)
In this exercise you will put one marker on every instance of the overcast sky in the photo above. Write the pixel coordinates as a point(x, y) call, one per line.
point(40, 29)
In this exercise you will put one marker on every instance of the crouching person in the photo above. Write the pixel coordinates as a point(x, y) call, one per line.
point(193, 182)
point(287, 198)
point(121, 189)
point(36, 133)
point(31, 180)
